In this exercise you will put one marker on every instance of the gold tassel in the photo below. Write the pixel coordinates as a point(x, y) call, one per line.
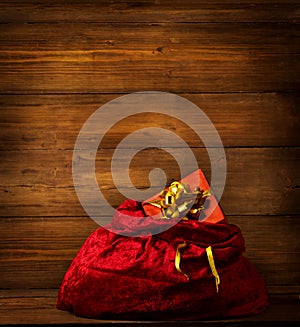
point(213, 267)
point(177, 259)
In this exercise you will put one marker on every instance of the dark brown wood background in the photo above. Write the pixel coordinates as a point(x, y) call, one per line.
point(61, 60)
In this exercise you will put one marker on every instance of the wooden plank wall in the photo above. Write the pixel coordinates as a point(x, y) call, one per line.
point(61, 60)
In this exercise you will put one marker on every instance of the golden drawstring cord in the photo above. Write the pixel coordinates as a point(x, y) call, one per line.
point(210, 261)
point(177, 259)
point(213, 267)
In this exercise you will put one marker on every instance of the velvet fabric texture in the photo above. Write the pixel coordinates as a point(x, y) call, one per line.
point(126, 277)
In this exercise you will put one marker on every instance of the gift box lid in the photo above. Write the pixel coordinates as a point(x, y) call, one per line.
point(211, 212)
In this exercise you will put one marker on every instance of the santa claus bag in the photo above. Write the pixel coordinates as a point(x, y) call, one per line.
point(193, 270)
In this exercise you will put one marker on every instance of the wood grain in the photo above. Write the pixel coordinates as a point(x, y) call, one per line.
point(238, 73)
point(54, 63)
point(40, 182)
point(38, 307)
point(54, 121)
point(150, 11)
point(46, 43)
point(36, 252)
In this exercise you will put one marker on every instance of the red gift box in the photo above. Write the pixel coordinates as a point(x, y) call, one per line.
point(211, 211)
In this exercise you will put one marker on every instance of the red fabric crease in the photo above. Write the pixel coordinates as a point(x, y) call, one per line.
point(124, 277)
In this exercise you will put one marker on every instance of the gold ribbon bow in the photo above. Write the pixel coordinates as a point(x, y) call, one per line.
point(178, 201)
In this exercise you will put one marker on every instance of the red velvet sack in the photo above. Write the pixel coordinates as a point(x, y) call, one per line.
point(124, 277)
